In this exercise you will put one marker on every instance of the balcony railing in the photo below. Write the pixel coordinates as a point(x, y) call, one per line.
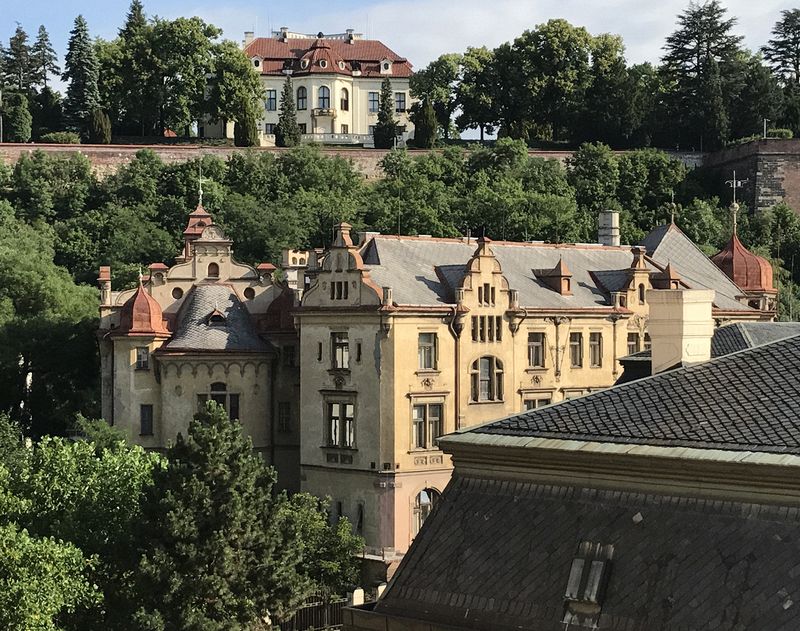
point(324, 111)
point(339, 139)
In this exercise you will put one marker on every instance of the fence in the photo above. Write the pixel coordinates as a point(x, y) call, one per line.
point(316, 614)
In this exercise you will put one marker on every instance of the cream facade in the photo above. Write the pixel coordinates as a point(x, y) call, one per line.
point(405, 339)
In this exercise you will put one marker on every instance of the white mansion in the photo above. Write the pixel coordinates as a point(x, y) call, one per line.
point(337, 81)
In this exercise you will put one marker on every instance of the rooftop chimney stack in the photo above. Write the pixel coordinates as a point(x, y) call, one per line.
point(608, 228)
point(249, 36)
point(284, 36)
point(680, 326)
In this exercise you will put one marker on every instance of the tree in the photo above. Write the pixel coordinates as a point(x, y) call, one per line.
point(474, 91)
point(219, 552)
point(700, 61)
point(16, 117)
point(437, 82)
point(99, 127)
point(425, 125)
point(607, 100)
point(137, 73)
point(235, 89)
point(760, 97)
point(18, 66)
point(386, 129)
point(44, 61)
point(287, 134)
point(111, 62)
point(594, 174)
point(782, 52)
point(245, 130)
point(81, 70)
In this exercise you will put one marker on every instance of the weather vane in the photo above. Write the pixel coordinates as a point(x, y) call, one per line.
point(734, 184)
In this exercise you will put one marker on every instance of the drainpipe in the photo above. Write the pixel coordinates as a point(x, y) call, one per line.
point(456, 325)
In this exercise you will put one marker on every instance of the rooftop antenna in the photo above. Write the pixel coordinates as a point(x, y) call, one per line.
point(734, 184)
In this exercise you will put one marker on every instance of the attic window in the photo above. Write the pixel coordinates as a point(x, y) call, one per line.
point(341, 65)
point(588, 577)
point(323, 63)
point(641, 293)
point(386, 65)
point(256, 63)
point(216, 319)
point(213, 270)
point(304, 64)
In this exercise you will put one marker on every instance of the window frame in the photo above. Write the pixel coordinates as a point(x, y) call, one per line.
point(146, 419)
point(302, 98)
point(576, 342)
point(285, 417)
point(633, 341)
point(142, 358)
point(541, 345)
point(595, 349)
point(428, 351)
point(399, 97)
point(271, 102)
point(427, 428)
point(340, 343)
point(324, 97)
point(218, 391)
point(340, 429)
point(373, 102)
point(486, 380)
point(344, 100)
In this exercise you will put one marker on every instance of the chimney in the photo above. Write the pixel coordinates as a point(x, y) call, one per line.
point(104, 280)
point(350, 36)
point(284, 33)
point(249, 36)
point(608, 228)
point(680, 326)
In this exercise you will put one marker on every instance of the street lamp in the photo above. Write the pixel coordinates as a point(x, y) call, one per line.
point(766, 120)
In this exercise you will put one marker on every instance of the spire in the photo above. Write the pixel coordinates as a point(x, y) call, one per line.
point(734, 184)
point(200, 184)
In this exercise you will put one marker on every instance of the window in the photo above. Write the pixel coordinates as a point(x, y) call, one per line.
point(146, 420)
point(487, 328)
point(344, 100)
point(288, 356)
point(588, 577)
point(302, 98)
point(324, 98)
point(486, 295)
point(373, 102)
point(340, 424)
point(272, 100)
point(358, 352)
point(426, 350)
point(487, 379)
point(323, 63)
point(576, 350)
point(633, 343)
point(424, 504)
point(284, 417)
point(142, 358)
point(641, 294)
point(302, 127)
point(536, 350)
point(319, 352)
point(426, 424)
point(177, 293)
point(218, 392)
point(256, 62)
point(339, 289)
point(360, 519)
point(386, 65)
point(213, 270)
point(399, 101)
point(595, 350)
point(647, 342)
point(269, 128)
point(345, 129)
point(532, 404)
point(340, 351)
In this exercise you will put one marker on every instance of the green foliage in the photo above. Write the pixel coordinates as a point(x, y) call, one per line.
point(81, 69)
point(425, 126)
point(386, 129)
point(16, 118)
point(437, 83)
point(235, 90)
point(99, 128)
point(593, 172)
point(17, 65)
point(474, 91)
point(47, 114)
point(287, 133)
point(61, 138)
point(783, 50)
point(44, 61)
point(220, 552)
point(245, 130)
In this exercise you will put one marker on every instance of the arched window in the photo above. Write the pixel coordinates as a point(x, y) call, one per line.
point(344, 102)
point(424, 503)
point(487, 379)
point(302, 98)
point(324, 100)
point(213, 270)
point(641, 294)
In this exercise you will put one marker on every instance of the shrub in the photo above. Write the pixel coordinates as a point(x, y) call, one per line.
point(61, 138)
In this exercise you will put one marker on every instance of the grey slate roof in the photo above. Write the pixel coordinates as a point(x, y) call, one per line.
point(425, 271)
point(744, 401)
point(667, 244)
point(740, 335)
point(497, 555)
point(194, 333)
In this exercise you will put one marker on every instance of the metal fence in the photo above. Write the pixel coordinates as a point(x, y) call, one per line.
point(316, 614)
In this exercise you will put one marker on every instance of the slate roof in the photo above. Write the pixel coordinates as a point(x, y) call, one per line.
point(426, 271)
point(194, 333)
point(744, 401)
point(497, 555)
point(668, 244)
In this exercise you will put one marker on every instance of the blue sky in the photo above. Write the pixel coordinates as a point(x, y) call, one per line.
point(417, 29)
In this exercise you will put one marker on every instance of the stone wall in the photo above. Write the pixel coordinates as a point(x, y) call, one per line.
point(107, 159)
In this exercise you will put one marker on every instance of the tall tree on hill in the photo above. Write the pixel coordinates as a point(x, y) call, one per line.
point(704, 34)
point(287, 134)
point(386, 129)
point(759, 98)
point(44, 61)
point(782, 52)
point(606, 102)
point(18, 61)
point(712, 111)
point(81, 70)
point(437, 82)
point(425, 126)
point(136, 72)
point(474, 91)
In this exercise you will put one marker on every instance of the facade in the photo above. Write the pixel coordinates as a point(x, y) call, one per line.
point(405, 339)
point(336, 80)
point(668, 503)
point(206, 328)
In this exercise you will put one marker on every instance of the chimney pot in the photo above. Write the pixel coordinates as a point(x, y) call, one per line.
point(608, 228)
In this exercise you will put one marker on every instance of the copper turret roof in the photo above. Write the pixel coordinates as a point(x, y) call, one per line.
point(141, 315)
point(749, 271)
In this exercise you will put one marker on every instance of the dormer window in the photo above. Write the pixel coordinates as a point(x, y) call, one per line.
point(386, 66)
point(213, 270)
point(341, 65)
point(216, 318)
point(257, 63)
point(323, 63)
point(304, 63)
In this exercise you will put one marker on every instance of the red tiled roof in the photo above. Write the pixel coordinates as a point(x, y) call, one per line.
point(368, 53)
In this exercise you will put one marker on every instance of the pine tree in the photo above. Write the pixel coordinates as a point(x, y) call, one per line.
point(425, 126)
point(16, 118)
point(386, 129)
point(712, 107)
point(137, 74)
point(99, 127)
point(287, 133)
point(81, 70)
point(222, 554)
point(43, 58)
point(783, 50)
point(245, 130)
point(17, 64)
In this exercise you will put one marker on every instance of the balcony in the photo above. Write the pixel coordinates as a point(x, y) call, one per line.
point(339, 139)
point(320, 112)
